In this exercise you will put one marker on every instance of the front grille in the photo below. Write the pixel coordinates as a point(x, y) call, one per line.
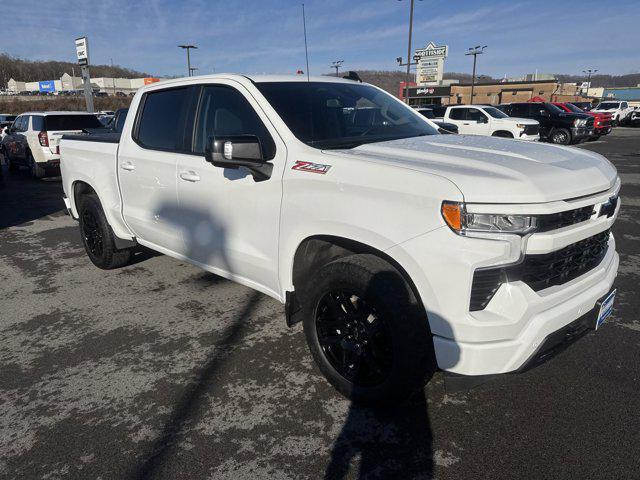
point(590, 122)
point(531, 129)
point(553, 221)
point(540, 271)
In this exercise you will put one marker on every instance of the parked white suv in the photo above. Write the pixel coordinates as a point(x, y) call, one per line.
point(488, 120)
point(32, 140)
point(400, 249)
point(619, 111)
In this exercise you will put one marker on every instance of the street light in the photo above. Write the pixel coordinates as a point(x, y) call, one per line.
point(337, 64)
point(588, 72)
point(475, 51)
point(188, 48)
point(409, 63)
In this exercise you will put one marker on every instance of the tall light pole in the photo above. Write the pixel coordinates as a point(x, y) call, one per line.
point(475, 51)
point(408, 63)
point(589, 72)
point(188, 49)
point(337, 64)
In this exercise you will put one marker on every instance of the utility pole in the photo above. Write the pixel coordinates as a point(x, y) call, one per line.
point(337, 64)
point(475, 51)
point(408, 63)
point(188, 49)
point(113, 79)
point(588, 72)
point(191, 70)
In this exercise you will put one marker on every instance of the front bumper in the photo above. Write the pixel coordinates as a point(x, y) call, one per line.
point(509, 330)
point(599, 131)
point(579, 133)
point(531, 138)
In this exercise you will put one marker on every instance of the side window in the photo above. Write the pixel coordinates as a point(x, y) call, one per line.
point(224, 111)
point(474, 114)
point(161, 119)
point(457, 113)
point(15, 126)
point(24, 122)
point(37, 123)
point(538, 109)
point(624, 105)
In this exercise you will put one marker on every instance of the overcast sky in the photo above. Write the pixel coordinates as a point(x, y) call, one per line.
point(266, 36)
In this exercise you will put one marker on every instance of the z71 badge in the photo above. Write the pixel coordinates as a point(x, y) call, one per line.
point(311, 167)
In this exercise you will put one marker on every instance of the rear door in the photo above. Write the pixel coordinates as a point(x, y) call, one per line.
point(19, 145)
point(231, 221)
point(457, 117)
point(476, 122)
point(539, 112)
point(147, 169)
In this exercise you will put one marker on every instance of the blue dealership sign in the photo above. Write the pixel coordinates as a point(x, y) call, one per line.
point(47, 86)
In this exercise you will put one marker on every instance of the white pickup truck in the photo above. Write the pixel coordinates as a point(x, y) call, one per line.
point(619, 110)
point(401, 250)
point(489, 121)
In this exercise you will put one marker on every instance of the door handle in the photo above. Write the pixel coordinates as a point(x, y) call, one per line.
point(465, 123)
point(128, 166)
point(190, 176)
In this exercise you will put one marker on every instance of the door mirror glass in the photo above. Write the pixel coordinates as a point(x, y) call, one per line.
point(483, 119)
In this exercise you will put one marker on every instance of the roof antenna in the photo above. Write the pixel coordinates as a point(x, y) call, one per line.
point(306, 52)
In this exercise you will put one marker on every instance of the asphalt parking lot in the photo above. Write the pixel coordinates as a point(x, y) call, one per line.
point(160, 370)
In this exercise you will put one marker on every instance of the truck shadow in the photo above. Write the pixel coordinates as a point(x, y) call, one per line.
point(204, 242)
point(23, 199)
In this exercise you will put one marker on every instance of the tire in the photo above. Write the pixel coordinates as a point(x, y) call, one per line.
point(502, 134)
point(367, 332)
point(561, 136)
point(13, 168)
point(35, 170)
point(615, 122)
point(97, 236)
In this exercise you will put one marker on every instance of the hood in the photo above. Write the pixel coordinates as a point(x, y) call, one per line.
point(524, 121)
point(497, 170)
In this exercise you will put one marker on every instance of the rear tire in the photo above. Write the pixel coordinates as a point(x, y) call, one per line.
point(35, 170)
point(97, 236)
point(561, 136)
point(367, 332)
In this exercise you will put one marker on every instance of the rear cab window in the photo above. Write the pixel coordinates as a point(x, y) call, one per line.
point(70, 122)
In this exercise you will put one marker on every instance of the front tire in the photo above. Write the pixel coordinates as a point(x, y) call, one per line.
point(97, 236)
point(561, 136)
point(367, 332)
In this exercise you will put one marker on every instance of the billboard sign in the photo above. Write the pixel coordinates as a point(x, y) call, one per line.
point(150, 80)
point(47, 86)
point(82, 50)
point(430, 64)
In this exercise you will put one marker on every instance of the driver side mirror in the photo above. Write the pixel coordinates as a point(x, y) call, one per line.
point(238, 151)
point(544, 113)
point(483, 119)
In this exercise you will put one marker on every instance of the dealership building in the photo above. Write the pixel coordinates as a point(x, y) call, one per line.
point(68, 83)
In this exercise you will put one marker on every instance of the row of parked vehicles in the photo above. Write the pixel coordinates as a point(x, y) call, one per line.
point(563, 123)
point(32, 139)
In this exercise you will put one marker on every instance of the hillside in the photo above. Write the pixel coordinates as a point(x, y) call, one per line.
point(32, 71)
point(389, 80)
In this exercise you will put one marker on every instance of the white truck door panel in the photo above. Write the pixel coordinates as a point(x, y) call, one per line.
point(147, 170)
point(231, 222)
point(476, 122)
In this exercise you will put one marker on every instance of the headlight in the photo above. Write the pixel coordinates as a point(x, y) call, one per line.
point(461, 222)
point(520, 125)
point(580, 122)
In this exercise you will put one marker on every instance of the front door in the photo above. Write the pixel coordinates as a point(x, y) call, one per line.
point(231, 221)
point(476, 122)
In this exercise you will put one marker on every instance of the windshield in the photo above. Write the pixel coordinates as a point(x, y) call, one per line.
point(71, 122)
point(495, 113)
point(573, 108)
point(342, 115)
point(608, 106)
point(552, 108)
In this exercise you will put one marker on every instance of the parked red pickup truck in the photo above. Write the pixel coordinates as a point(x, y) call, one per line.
point(601, 121)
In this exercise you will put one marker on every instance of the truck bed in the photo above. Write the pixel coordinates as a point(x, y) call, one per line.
point(95, 136)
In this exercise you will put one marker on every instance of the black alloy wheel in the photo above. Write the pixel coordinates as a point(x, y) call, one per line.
point(355, 337)
point(92, 233)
